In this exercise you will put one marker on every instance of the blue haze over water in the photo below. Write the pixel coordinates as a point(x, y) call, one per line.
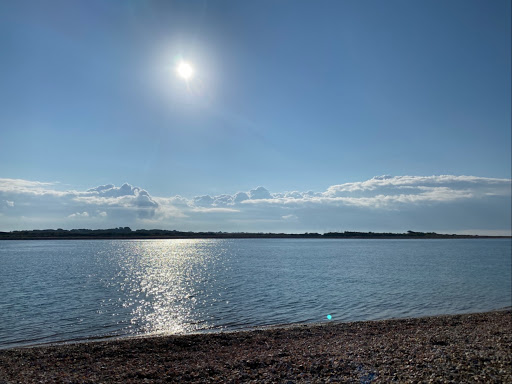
point(53, 291)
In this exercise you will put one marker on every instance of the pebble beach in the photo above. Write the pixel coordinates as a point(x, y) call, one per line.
point(441, 349)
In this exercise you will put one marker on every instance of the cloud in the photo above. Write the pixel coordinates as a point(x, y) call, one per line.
point(124, 196)
point(391, 192)
point(383, 203)
point(124, 200)
point(239, 197)
point(214, 209)
point(290, 217)
point(412, 182)
point(20, 186)
point(78, 214)
point(43, 201)
point(259, 193)
point(111, 190)
point(98, 214)
point(202, 201)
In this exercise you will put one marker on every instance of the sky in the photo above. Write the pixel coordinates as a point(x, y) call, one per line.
point(300, 116)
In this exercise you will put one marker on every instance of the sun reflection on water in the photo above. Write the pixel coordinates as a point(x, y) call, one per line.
point(162, 282)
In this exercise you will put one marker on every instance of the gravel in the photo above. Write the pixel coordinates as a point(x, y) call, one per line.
point(440, 349)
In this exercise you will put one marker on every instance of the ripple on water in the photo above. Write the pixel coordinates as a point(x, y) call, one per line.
point(64, 290)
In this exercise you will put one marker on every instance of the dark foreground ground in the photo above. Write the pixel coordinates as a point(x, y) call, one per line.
point(459, 348)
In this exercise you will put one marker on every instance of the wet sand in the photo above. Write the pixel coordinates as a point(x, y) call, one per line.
point(455, 348)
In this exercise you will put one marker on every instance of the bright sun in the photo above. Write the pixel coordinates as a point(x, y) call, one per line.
point(185, 70)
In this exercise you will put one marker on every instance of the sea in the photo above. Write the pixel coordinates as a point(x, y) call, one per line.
point(76, 290)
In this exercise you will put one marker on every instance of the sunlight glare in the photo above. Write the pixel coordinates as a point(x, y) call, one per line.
point(185, 70)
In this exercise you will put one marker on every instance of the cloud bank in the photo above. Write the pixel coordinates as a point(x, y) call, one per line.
point(445, 203)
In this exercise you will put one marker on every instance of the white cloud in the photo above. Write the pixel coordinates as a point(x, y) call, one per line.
point(240, 196)
point(42, 200)
point(384, 203)
point(388, 192)
point(17, 184)
point(78, 214)
point(205, 200)
point(401, 182)
point(259, 193)
point(214, 209)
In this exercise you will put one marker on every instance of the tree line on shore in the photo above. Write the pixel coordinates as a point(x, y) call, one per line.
point(128, 233)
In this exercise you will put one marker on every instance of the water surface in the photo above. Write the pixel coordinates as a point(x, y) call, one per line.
point(62, 290)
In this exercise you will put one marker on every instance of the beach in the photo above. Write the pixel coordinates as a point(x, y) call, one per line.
point(451, 348)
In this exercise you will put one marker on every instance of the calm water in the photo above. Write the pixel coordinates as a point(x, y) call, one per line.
point(70, 290)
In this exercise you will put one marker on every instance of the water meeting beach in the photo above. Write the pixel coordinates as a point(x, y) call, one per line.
point(255, 310)
point(450, 348)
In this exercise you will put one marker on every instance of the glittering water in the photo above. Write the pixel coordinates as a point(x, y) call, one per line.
point(70, 290)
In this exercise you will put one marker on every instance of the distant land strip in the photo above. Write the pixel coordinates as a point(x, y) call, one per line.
point(127, 233)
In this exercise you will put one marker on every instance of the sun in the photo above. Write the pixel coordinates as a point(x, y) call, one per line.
point(185, 70)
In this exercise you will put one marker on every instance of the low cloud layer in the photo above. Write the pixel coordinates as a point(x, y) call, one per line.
point(446, 203)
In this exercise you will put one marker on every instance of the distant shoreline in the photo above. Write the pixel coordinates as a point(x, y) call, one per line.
point(125, 233)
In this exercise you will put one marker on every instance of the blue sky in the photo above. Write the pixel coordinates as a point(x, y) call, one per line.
point(291, 96)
